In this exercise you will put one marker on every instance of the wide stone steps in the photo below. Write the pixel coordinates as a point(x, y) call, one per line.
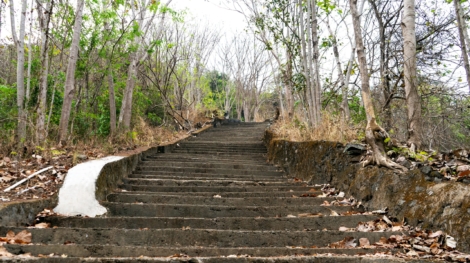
point(232, 258)
point(215, 211)
point(131, 251)
point(201, 176)
point(209, 164)
point(212, 199)
point(221, 223)
point(256, 159)
point(193, 237)
point(173, 182)
point(213, 189)
point(131, 197)
point(241, 171)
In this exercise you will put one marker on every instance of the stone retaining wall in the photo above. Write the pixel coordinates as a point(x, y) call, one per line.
point(444, 206)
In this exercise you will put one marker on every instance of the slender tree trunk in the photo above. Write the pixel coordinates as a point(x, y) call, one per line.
point(2, 6)
point(413, 100)
point(374, 133)
point(305, 61)
point(19, 43)
point(463, 44)
point(288, 87)
point(112, 103)
point(384, 80)
point(125, 115)
point(310, 90)
point(126, 107)
point(316, 63)
point(42, 107)
point(343, 84)
point(70, 76)
point(30, 56)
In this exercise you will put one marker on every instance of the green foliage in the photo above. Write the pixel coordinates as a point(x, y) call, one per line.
point(8, 110)
point(358, 112)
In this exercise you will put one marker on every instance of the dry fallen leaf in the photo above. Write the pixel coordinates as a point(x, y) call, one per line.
point(347, 242)
point(435, 234)
point(4, 252)
point(42, 225)
point(364, 242)
point(23, 237)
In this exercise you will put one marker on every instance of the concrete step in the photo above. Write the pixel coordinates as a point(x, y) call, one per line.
point(221, 223)
point(234, 155)
point(230, 143)
point(209, 164)
point(219, 151)
point(214, 189)
point(215, 211)
point(192, 237)
point(209, 200)
point(257, 158)
point(201, 176)
point(131, 251)
point(200, 158)
point(180, 258)
point(228, 170)
point(228, 194)
point(187, 182)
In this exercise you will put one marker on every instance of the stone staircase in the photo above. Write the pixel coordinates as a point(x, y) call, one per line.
point(213, 199)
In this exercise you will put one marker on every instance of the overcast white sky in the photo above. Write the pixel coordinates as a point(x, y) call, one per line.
point(213, 12)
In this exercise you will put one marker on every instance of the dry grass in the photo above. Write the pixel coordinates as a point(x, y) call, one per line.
point(332, 128)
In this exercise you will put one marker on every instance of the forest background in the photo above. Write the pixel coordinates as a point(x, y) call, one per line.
point(137, 72)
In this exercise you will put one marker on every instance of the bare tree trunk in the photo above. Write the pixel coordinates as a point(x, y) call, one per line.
point(2, 5)
point(316, 63)
point(126, 107)
point(305, 62)
point(41, 111)
point(70, 76)
point(311, 89)
point(112, 103)
point(30, 57)
point(374, 133)
point(19, 43)
point(343, 84)
point(288, 87)
point(463, 45)
point(413, 101)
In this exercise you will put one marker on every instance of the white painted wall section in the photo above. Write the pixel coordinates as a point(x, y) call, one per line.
point(77, 194)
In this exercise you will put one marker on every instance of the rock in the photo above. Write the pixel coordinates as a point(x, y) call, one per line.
point(82, 157)
point(405, 163)
point(355, 149)
point(426, 169)
point(462, 168)
point(436, 174)
point(400, 159)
